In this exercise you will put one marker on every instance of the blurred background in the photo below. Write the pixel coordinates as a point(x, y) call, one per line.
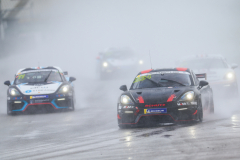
point(73, 30)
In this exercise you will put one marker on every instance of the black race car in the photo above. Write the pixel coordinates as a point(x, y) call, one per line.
point(164, 96)
point(40, 89)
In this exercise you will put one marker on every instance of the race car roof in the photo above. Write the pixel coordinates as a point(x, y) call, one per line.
point(36, 68)
point(164, 69)
point(203, 56)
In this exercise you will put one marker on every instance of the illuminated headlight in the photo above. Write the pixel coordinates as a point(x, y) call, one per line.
point(64, 89)
point(140, 62)
point(13, 92)
point(230, 75)
point(126, 100)
point(105, 64)
point(187, 96)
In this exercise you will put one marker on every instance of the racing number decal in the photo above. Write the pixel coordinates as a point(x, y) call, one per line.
point(21, 76)
point(141, 78)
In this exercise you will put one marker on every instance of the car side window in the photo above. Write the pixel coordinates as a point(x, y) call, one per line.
point(196, 79)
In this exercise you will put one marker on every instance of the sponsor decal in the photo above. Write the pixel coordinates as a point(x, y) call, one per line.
point(42, 100)
point(28, 91)
point(186, 103)
point(15, 98)
point(60, 95)
point(193, 103)
point(142, 78)
point(157, 110)
point(170, 99)
point(21, 76)
point(140, 99)
point(128, 106)
point(155, 105)
point(40, 96)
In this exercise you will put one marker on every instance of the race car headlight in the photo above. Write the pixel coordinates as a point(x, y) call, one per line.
point(187, 96)
point(105, 64)
point(140, 62)
point(230, 76)
point(64, 89)
point(126, 100)
point(13, 92)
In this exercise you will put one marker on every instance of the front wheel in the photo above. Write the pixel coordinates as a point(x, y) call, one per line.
point(200, 111)
point(211, 106)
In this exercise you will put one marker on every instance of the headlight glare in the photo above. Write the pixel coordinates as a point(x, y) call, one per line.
point(13, 92)
point(64, 89)
point(230, 75)
point(105, 64)
point(188, 96)
point(126, 100)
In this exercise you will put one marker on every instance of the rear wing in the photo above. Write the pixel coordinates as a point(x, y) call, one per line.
point(202, 76)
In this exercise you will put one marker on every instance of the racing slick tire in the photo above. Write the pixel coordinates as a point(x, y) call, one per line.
point(124, 126)
point(212, 106)
point(73, 106)
point(200, 111)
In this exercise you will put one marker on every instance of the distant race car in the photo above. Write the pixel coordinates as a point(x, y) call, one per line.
point(40, 88)
point(117, 62)
point(220, 74)
point(164, 96)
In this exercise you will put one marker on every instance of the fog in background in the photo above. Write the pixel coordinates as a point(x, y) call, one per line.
point(71, 33)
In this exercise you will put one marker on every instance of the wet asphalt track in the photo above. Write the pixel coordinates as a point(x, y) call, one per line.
point(91, 131)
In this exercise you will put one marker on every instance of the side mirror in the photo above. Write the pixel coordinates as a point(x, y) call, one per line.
point(71, 79)
point(65, 73)
point(123, 88)
point(7, 83)
point(233, 66)
point(203, 83)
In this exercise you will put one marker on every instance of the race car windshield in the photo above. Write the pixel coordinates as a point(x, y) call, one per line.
point(161, 79)
point(210, 63)
point(118, 55)
point(38, 77)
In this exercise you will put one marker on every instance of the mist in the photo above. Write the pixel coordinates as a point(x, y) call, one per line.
point(71, 34)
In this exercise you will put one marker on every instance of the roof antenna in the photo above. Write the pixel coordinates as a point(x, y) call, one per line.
point(150, 59)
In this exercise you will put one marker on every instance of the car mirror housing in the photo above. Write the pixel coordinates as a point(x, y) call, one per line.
point(123, 88)
point(71, 79)
point(7, 83)
point(203, 83)
point(233, 66)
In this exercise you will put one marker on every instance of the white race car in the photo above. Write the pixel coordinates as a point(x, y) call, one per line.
point(220, 75)
point(40, 88)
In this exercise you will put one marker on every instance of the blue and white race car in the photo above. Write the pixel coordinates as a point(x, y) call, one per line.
point(41, 89)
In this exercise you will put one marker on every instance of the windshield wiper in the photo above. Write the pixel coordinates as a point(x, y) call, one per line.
point(157, 84)
point(172, 81)
point(47, 76)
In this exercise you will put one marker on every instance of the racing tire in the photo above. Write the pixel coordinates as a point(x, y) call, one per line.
point(73, 106)
point(123, 126)
point(212, 106)
point(200, 111)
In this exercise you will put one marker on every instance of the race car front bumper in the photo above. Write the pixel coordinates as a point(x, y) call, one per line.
point(39, 102)
point(171, 112)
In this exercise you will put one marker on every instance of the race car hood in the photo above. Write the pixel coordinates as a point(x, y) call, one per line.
point(39, 88)
point(214, 74)
point(157, 95)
